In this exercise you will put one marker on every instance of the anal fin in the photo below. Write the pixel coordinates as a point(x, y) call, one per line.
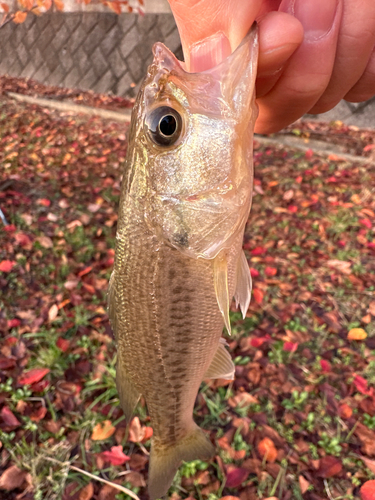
point(242, 294)
point(222, 365)
point(220, 270)
point(128, 394)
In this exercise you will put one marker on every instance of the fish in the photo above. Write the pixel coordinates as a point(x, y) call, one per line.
point(185, 199)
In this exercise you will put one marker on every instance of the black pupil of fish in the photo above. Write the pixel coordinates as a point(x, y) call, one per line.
point(168, 125)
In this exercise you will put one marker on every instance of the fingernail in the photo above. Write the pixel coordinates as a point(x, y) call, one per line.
point(209, 52)
point(316, 16)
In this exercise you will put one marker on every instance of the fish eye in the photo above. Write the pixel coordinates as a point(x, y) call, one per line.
point(164, 125)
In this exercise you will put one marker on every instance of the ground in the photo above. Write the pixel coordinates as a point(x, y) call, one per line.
point(298, 422)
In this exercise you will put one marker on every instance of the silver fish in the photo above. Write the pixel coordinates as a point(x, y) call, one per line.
point(186, 197)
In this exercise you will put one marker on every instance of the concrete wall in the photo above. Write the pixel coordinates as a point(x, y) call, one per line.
point(100, 51)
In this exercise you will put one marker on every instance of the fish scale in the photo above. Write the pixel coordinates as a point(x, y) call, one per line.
point(185, 200)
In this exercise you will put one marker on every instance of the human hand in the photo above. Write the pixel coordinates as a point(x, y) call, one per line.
point(313, 53)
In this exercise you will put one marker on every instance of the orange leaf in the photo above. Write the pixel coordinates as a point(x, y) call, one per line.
point(367, 491)
point(102, 431)
point(345, 411)
point(258, 295)
point(357, 334)
point(115, 6)
point(59, 5)
point(5, 7)
point(267, 450)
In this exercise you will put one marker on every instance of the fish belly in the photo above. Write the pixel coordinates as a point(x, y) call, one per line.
point(168, 329)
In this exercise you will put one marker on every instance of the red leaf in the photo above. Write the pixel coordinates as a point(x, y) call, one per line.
point(236, 477)
point(270, 271)
point(325, 365)
point(39, 386)
point(7, 265)
point(258, 251)
point(361, 385)
point(293, 209)
point(329, 466)
point(10, 228)
point(62, 344)
point(290, 346)
point(258, 295)
point(13, 323)
point(115, 456)
point(366, 222)
point(367, 491)
point(33, 375)
point(258, 341)
point(308, 154)
point(254, 273)
point(9, 418)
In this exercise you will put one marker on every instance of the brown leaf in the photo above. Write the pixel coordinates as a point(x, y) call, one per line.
point(86, 492)
point(12, 478)
point(45, 241)
point(303, 484)
point(370, 464)
point(329, 466)
point(136, 479)
point(102, 431)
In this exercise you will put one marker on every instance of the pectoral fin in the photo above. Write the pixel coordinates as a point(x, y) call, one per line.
point(128, 394)
point(242, 294)
point(220, 269)
point(222, 365)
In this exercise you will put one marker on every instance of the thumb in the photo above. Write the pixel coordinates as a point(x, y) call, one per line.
point(211, 29)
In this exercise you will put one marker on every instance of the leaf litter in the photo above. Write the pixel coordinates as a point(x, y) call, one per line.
point(299, 419)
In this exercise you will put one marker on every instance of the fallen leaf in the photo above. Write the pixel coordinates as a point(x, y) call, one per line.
point(367, 491)
point(357, 334)
point(267, 449)
point(236, 477)
point(53, 312)
point(361, 385)
point(7, 265)
point(258, 295)
point(340, 265)
point(303, 484)
point(33, 376)
point(19, 17)
point(329, 466)
point(290, 346)
point(370, 464)
point(115, 456)
point(103, 430)
point(45, 241)
point(13, 478)
point(325, 366)
point(345, 411)
point(87, 492)
point(9, 419)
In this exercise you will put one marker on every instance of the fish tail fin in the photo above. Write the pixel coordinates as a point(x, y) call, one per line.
point(164, 462)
